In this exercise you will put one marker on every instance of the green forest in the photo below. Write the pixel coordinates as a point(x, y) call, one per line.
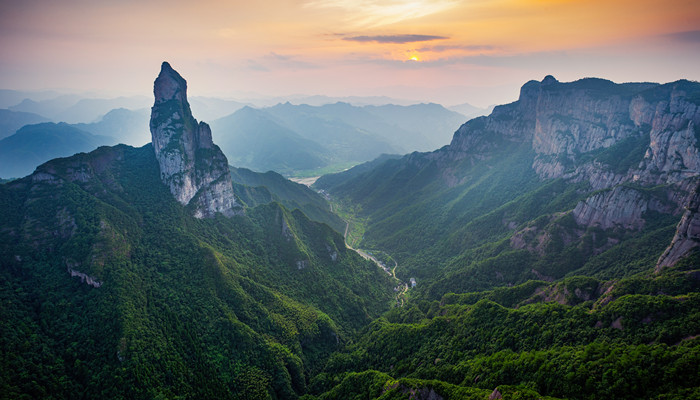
point(502, 283)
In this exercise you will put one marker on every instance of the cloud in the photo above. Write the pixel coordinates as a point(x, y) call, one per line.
point(395, 38)
point(383, 12)
point(442, 48)
point(685, 37)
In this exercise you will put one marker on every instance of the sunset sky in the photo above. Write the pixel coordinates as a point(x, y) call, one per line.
point(476, 51)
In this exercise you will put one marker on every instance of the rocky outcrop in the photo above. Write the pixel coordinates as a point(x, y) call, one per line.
point(687, 237)
point(598, 132)
point(621, 207)
point(191, 165)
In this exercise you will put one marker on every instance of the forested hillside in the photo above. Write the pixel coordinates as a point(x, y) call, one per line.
point(111, 289)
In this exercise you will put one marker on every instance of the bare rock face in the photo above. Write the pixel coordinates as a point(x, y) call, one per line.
point(687, 235)
point(621, 207)
point(193, 167)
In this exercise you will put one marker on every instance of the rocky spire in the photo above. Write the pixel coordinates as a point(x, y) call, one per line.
point(687, 237)
point(193, 167)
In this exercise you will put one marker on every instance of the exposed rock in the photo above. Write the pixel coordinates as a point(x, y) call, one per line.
point(91, 281)
point(495, 395)
point(687, 235)
point(193, 167)
point(620, 207)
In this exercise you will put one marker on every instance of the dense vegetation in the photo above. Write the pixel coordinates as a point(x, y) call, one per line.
point(254, 188)
point(580, 338)
point(247, 307)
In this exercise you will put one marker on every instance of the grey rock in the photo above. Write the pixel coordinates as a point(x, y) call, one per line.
point(193, 167)
point(687, 237)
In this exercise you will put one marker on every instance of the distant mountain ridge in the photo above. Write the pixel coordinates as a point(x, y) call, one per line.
point(288, 138)
point(33, 145)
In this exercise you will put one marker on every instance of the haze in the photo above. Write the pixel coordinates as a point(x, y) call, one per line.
point(445, 51)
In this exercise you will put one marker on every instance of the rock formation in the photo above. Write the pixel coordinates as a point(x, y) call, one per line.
point(568, 124)
point(193, 167)
point(687, 235)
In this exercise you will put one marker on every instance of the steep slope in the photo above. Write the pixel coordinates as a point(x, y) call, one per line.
point(557, 182)
point(33, 145)
point(255, 188)
point(191, 164)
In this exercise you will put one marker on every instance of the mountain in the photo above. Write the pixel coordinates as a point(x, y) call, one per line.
point(194, 168)
point(343, 140)
point(13, 97)
point(35, 144)
point(471, 111)
point(291, 138)
point(91, 110)
point(404, 128)
point(211, 108)
point(430, 125)
point(553, 246)
point(563, 175)
point(126, 126)
point(549, 251)
point(49, 108)
point(254, 188)
point(10, 121)
point(132, 273)
point(251, 139)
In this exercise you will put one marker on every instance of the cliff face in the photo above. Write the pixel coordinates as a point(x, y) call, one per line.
point(621, 139)
point(687, 237)
point(193, 167)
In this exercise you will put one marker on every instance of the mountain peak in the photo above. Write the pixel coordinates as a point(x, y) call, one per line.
point(549, 79)
point(169, 85)
point(191, 164)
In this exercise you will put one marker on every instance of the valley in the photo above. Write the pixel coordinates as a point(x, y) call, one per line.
point(550, 250)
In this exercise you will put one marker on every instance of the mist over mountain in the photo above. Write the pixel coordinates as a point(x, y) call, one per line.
point(251, 139)
point(33, 145)
point(10, 121)
point(290, 138)
point(471, 111)
point(125, 126)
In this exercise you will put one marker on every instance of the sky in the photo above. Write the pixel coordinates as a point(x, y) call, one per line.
point(445, 51)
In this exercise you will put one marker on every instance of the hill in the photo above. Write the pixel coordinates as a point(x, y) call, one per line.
point(10, 121)
point(35, 144)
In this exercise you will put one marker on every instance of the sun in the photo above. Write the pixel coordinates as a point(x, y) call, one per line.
point(413, 56)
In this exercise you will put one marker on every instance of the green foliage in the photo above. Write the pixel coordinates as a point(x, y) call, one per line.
point(628, 341)
point(243, 307)
point(255, 188)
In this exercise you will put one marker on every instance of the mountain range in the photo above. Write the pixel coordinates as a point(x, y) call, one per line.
point(297, 138)
point(290, 139)
point(550, 250)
